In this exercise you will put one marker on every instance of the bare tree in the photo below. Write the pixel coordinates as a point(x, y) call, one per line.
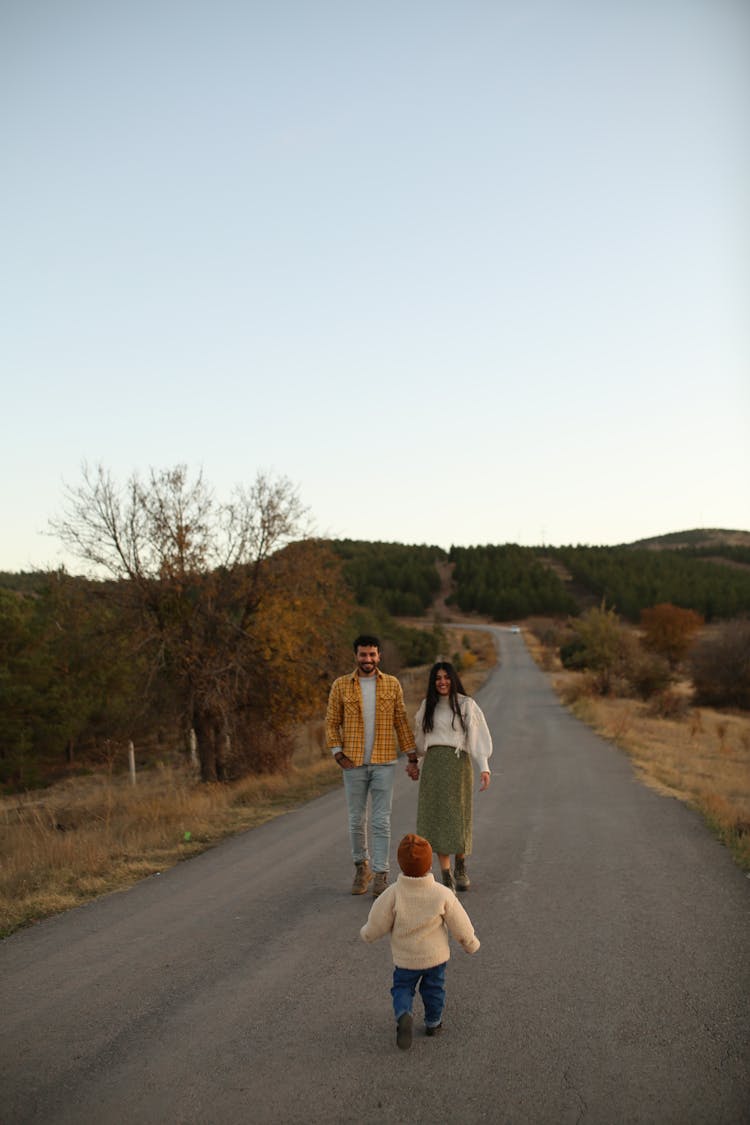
point(197, 572)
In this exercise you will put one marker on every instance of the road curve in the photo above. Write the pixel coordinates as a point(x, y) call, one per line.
point(612, 983)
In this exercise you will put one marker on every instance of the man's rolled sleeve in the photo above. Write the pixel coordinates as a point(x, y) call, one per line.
point(334, 717)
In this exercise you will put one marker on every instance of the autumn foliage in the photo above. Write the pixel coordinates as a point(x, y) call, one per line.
point(235, 614)
point(670, 631)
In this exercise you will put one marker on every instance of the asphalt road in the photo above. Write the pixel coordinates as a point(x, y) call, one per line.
point(612, 984)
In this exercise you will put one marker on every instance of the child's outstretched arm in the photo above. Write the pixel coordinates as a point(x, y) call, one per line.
point(380, 919)
point(459, 924)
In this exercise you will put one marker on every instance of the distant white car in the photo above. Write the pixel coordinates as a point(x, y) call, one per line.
point(514, 629)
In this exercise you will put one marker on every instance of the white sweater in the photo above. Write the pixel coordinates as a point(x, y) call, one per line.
point(418, 914)
point(477, 740)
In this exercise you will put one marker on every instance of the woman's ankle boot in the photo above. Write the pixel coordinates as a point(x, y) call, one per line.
point(463, 882)
point(448, 880)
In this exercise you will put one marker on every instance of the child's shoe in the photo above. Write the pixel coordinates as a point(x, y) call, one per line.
point(403, 1031)
point(433, 1030)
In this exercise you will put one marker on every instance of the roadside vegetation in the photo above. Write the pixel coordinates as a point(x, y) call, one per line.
point(675, 700)
point(97, 832)
point(89, 835)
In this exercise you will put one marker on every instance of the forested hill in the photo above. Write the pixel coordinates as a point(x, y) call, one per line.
point(702, 539)
point(707, 571)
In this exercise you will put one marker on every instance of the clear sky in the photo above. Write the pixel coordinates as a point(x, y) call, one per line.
point(464, 271)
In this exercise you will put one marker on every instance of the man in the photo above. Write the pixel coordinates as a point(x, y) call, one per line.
point(365, 716)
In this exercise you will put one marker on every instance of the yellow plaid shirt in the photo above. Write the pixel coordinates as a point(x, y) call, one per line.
point(345, 724)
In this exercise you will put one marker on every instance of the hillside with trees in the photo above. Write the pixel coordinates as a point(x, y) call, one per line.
point(507, 582)
point(700, 539)
point(195, 623)
point(393, 578)
point(224, 619)
point(706, 572)
point(633, 579)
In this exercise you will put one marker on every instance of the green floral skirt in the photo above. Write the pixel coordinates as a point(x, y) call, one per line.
point(444, 809)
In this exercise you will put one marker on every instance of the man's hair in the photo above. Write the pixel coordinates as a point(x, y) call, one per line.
point(366, 640)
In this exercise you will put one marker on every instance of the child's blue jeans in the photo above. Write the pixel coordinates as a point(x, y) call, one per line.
point(431, 988)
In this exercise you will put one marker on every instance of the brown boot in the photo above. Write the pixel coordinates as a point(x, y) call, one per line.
point(362, 878)
point(381, 881)
point(463, 882)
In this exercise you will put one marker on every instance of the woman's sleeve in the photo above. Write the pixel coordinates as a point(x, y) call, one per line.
point(418, 732)
point(480, 739)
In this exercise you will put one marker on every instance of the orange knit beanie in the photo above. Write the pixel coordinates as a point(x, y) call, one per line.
point(414, 855)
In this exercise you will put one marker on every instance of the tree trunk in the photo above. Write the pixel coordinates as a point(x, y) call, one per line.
point(207, 729)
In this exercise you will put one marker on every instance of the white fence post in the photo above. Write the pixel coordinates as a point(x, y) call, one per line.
point(131, 762)
point(193, 746)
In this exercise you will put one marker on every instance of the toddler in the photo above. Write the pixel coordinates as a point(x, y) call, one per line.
point(418, 913)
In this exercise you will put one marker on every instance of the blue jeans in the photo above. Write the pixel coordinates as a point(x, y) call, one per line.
point(431, 989)
point(375, 782)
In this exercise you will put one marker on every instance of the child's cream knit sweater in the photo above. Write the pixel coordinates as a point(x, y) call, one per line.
point(418, 913)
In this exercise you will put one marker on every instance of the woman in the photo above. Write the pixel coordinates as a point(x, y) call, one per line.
point(451, 732)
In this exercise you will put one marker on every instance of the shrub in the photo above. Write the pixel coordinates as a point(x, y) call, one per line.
point(572, 654)
point(669, 630)
point(581, 688)
point(550, 634)
point(415, 646)
point(605, 648)
point(720, 667)
point(259, 750)
point(668, 704)
point(648, 673)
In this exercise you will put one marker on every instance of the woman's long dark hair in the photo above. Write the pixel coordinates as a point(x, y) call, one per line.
point(432, 698)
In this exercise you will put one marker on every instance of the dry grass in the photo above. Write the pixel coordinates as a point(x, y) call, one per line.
point(87, 836)
point(701, 757)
